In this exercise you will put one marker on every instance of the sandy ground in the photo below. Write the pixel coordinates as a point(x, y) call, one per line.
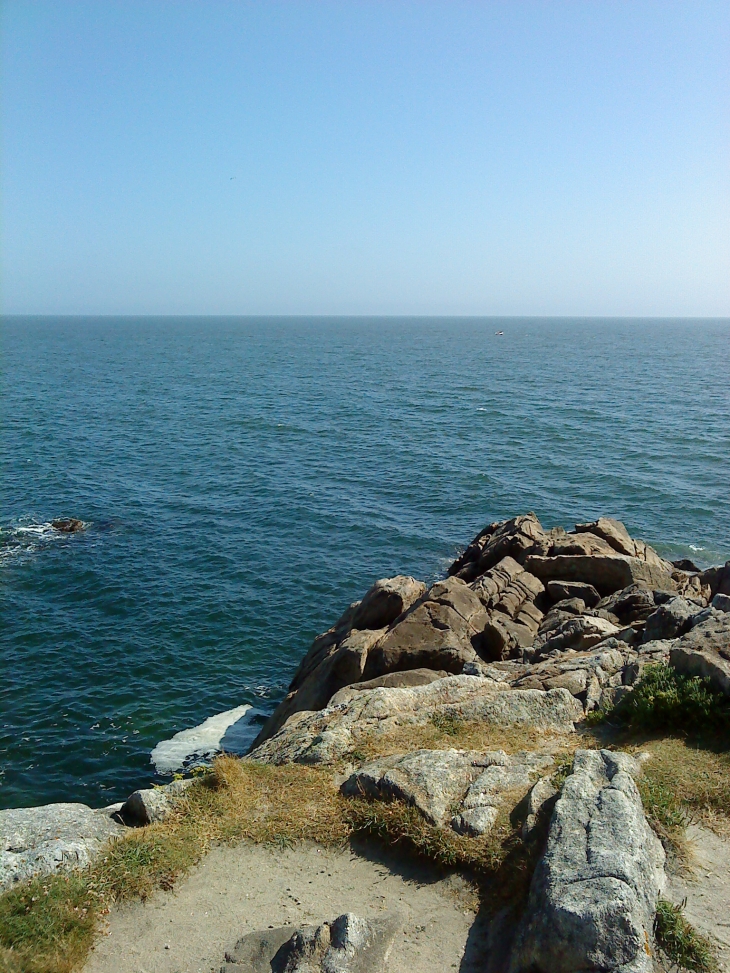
point(707, 890)
point(245, 888)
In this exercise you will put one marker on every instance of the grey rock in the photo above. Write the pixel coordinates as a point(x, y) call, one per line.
point(504, 782)
point(431, 780)
point(670, 620)
point(606, 574)
point(42, 840)
point(594, 891)
point(705, 651)
point(386, 600)
point(562, 590)
point(721, 603)
point(148, 805)
point(348, 944)
point(540, 802)
point(612, 695)
point(437, 781)
point(333, 732)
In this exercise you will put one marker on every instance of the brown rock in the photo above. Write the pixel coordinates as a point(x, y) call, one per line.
point(561, 590)
point(606, 574)
point(431, 636)
point(386, 600)
point(391, 680)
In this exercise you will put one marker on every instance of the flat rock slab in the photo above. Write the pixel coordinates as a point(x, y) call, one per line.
point(41, 840)
point(593, 894)
point(347, 944)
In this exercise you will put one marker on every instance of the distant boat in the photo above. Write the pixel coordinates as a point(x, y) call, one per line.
point(499, 332)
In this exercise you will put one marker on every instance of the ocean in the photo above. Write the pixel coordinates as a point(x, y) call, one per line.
point(243, 480)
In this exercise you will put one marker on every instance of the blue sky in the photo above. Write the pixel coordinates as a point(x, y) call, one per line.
point(566, 158)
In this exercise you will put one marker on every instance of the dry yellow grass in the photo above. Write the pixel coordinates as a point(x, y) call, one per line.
point(443, 733)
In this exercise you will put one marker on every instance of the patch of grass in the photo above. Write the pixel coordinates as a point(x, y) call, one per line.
point(446, 731)
point(680, 942)
point(686, 781)
point(664, 700)
point(46, 926)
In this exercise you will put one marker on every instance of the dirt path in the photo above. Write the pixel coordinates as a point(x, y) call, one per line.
point(248, 887)
point(707, 890)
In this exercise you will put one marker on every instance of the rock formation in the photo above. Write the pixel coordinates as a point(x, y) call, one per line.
point(532, 629)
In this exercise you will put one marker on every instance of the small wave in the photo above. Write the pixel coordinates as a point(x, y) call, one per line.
point(695, 547)
point(231, 732)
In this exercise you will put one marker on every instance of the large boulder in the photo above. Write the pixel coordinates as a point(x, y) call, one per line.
point(344, 665)
point(717, 580)
point(386, 600)
point(670, 620)
point(705, 650)
point(392, 680)
point(431, 780)
point(41, 840)
point(606, 573)
point(563, 590)
point(330, 734)
point(463, 788)
point(434, 635)
point(151, 804)
point(579, 633)
point(348, 944)
point(594, 891)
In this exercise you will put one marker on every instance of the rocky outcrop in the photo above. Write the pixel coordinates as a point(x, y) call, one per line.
point(605, 573)
point(705, 650)
point(326, 736)
point(461, 788)
point(518, 593)
point(386, 601)
point(348, 944)
point(594, 891)
point(42, 840)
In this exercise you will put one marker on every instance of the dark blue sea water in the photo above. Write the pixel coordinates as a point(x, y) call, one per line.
point(245, 479)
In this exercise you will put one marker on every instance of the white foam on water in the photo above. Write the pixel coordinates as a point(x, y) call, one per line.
point(196, 745)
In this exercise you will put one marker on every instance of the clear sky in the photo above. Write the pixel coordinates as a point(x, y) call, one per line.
point(515, 157)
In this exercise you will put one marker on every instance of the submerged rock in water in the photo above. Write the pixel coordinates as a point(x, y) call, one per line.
point(68, 525)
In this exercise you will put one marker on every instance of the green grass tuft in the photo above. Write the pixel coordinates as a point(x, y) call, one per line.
point(664, 700)
point(680, 942)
